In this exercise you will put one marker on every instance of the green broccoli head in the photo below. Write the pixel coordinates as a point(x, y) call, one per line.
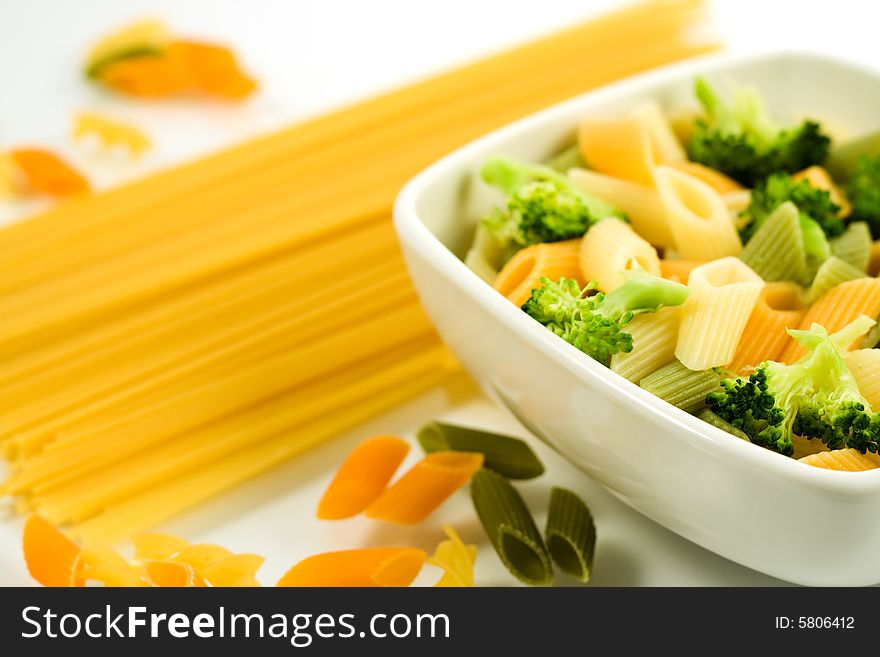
point(543, 204)
point(818, 212)
point(863, 189)
point(744, 142)
point(816, 397)
point(594, 324)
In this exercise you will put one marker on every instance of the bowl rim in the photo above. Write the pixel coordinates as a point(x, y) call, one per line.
point(698, 433)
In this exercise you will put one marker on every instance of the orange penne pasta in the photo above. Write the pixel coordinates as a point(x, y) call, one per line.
point(523, 272)
point(236, 570)
point(170, 574)
point(715, 179)
point(362, 477)
point(778, 308)
point(392, 566)
point(47, 173)
point(52, 559)
point(821, 179)
point(425, 487)
point(837, 308)
point(157, 547)
point(874, 262)
point(679, 270)
point(618, 146)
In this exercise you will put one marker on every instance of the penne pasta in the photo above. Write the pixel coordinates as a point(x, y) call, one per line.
point(654, 336)
point(678, 270)
point(715, 179)
point(641, 203)
point(849, 460)
point(610, 249)
point(778, 308)
point(854, 246)
point(830, 274)
point(776, 250)
point(524, 271)
point(836, 309)
point(378, 566)
point(667, 149)
point(619, 147)
point(723, 295)
point(865, 367)
point(51, 557)
point(698, 217)
point(425, 487)
point(682, 387)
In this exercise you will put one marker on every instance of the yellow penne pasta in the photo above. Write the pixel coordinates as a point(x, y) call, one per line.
point(865, 366)
point(723, 294)
point(836, 309)
point(715, 179)
point(654, 337)
point(618, 146)
point(778, 308)
point(667, 148)
point(679, 270)
point(524, 271)
point(848, 460)
point(610, 249)
point(698, 218)
point(641, 203)
point(819, 178)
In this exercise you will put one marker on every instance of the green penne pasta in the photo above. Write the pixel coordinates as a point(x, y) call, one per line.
point(510, 457)
point(711, 418)
point(854, 246)
point(570, 158)
point(776, 251)
point(682, 387)
point(510, 527)
point(571, 534)
point(832, 273)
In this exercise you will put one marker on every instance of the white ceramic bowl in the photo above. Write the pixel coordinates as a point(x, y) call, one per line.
point(761, 509)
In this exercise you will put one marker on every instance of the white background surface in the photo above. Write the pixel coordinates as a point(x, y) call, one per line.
point(311, 55)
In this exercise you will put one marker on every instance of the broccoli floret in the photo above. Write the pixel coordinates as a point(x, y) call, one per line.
point(818, 212)
point(816, 397)
point(743, 141)
point(863, 189)
point(594, 324)
point(543, 204)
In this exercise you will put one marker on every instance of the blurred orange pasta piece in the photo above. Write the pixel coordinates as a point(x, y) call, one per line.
point(425, 487)
point(362, 477)
point(44, 172)
point(211, 69)
point(380, 566)
point(170, 574)
point(524, 271)
point(51, 557)
point(837, 308)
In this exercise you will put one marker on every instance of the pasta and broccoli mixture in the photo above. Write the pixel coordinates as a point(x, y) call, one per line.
point(725, 262)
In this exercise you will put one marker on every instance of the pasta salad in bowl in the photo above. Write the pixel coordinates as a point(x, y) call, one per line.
point(673, 281)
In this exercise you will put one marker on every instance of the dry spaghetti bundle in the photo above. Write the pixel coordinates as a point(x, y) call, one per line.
point(167, 340)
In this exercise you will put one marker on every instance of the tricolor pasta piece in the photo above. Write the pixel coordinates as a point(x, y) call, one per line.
point(511, 528)
point(776, 250)
point(362, 477)
point(51, 557)
point(44, 172)
point(854, 246)
point(618, 146)
point(836, 309)
point(508, 456)
point(874, 259)
point(654, 336)
point(455, 559)
point(378, 566)
point(723, 294)
point(682, 387)
point(571, 534)
point(698, 217)
point(610, 249)
point(667, 149)
point(640, 202)
point(848, 460)
point(779, 307)
point(524, 271)
point(865, 367)
point(715, 179)
point(678, 270)
point(110, 132)
point(819, 178)
point(416, 495)
point(832, 272)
